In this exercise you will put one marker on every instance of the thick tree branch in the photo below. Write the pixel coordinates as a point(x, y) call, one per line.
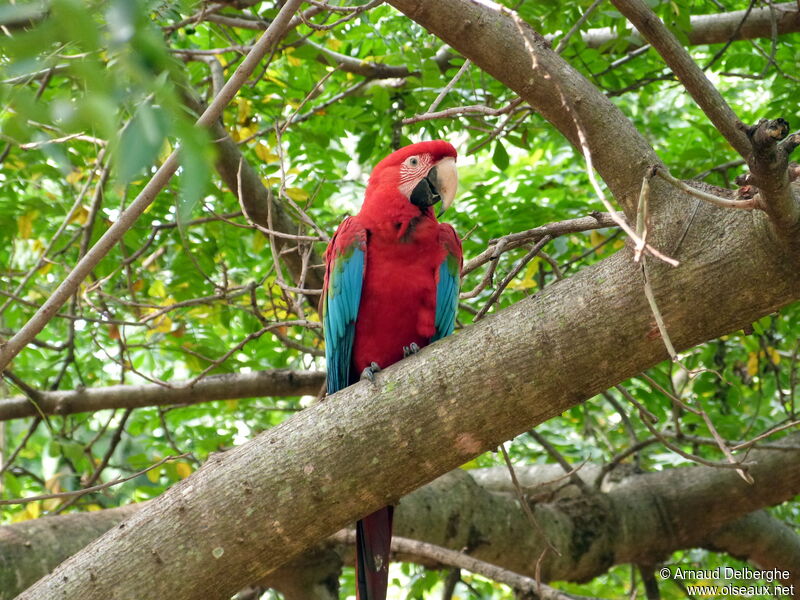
point(498, 41)
point(665, 511)
point(128, 217)
point(688, 72)
point(534, 590)
point(230, 386)
point(595, 220)
point(31, 549)
point(763, 540)
point(717, 28)
point(769, 162)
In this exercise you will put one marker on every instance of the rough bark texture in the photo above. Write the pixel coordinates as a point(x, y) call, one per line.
point(255, 507)
point(763, 540)
point(279, 382)
point(31, 549)
point(639, 518)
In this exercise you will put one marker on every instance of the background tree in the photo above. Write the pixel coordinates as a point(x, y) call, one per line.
point(173, 317)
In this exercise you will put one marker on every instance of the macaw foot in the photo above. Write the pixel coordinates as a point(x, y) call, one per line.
point(410, 349)
point(369, 372)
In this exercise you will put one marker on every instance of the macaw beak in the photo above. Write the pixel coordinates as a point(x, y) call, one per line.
point(439, 184)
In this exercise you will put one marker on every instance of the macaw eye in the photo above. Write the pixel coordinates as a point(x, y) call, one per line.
point(413, 161)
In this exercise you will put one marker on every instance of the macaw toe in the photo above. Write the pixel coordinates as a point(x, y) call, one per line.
point(369, 372)
point(412, 348)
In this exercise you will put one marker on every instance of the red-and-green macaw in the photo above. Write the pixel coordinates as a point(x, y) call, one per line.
point(391, 287)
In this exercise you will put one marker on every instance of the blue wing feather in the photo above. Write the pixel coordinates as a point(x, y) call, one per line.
point(447, 293)
point(340, 305)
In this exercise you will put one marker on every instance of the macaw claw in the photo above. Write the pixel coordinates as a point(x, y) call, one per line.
point(412, 348)
point(369, 372)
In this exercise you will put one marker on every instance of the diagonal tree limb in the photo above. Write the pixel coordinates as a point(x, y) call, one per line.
point(688, 72)
point(525, 63)
point(128, 217)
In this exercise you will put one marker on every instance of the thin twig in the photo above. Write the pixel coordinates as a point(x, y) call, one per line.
point(511, 275)
point(748, 204)
point(95, 488)
point(571, 471)
point(446, 556)
point(446, 90)
point(474, 109)
point(596, 220)
point(523, 501)
point(578, 24)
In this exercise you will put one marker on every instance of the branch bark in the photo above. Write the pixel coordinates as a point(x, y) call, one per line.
point(764, 541)
point(664, 512)
point(686, 70)
point(502, 44)
point(230, 386)
point(249, 511)
point(717, 28)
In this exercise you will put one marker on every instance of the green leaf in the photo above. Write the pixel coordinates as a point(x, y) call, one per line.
point(500, 156)
point(77, 22)
point(195, 174)
point(140, 142)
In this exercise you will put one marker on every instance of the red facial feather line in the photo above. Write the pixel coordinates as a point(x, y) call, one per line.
point(411, 175)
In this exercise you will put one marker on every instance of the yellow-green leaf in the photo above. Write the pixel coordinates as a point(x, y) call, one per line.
point(25, 224)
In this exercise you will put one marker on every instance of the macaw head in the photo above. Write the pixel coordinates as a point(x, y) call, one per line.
point(415, 177)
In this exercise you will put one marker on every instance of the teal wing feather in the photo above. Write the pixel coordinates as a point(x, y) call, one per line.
point(449, 283)
point(344, 275)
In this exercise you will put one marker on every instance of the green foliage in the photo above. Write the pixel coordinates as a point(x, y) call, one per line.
point(111, 76)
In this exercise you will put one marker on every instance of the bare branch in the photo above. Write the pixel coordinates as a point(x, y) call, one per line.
point(596, 220)
point(94, 488)
point(716, 28)
point(688, 72)
point(229, 386)
point(475, 109)
point(446, 556)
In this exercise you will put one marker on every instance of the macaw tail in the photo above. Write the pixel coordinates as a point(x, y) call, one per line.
point(373, 541)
